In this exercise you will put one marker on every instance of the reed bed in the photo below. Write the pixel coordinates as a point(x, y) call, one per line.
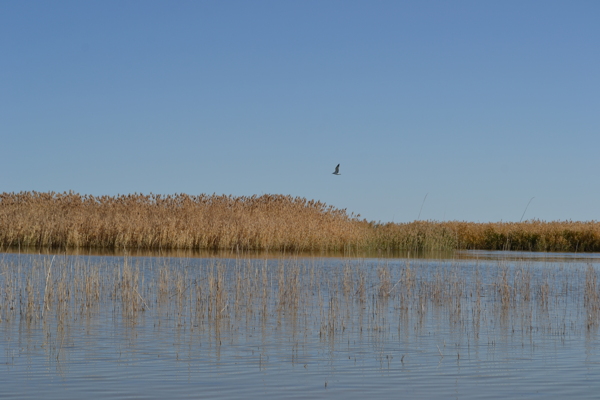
point(532, 235)
point(268, 222)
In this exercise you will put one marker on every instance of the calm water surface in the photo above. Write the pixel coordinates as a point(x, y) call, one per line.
point(482, 325)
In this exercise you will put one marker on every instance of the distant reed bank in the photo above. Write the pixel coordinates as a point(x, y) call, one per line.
point(267, 222)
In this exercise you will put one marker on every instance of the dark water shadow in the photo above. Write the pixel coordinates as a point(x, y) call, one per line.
point(234, 253)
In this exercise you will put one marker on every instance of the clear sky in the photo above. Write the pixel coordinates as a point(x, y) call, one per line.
point(480, 105)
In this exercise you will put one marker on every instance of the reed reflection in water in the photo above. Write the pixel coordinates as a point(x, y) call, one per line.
point(155, 327)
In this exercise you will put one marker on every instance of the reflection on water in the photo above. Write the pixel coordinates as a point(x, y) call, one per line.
point(233, 253)
point(148, 327)
point(262, 254)
point(526, 255)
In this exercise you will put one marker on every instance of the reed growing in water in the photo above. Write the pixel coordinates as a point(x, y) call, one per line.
point(267, 222)
point(301, 298)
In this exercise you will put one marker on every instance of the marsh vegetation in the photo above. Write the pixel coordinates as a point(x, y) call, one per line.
point(268, 222)
point(309, 297)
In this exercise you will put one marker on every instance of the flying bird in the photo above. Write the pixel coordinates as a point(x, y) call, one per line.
point(337, 170)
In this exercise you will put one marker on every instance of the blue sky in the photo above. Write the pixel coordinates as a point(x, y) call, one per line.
point(479, 105)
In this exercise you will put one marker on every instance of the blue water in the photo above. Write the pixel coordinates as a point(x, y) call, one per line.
point(393, 347)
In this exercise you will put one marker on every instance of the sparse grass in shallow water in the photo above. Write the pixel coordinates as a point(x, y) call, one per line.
point(221, 296)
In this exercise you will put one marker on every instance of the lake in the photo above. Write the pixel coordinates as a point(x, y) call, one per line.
point(469, 325)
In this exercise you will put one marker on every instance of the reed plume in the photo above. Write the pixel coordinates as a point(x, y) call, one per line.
point(267, 222)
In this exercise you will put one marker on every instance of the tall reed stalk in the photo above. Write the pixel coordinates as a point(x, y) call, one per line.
point(268, 222)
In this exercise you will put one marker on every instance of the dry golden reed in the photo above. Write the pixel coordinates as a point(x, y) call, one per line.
point(267, 222)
